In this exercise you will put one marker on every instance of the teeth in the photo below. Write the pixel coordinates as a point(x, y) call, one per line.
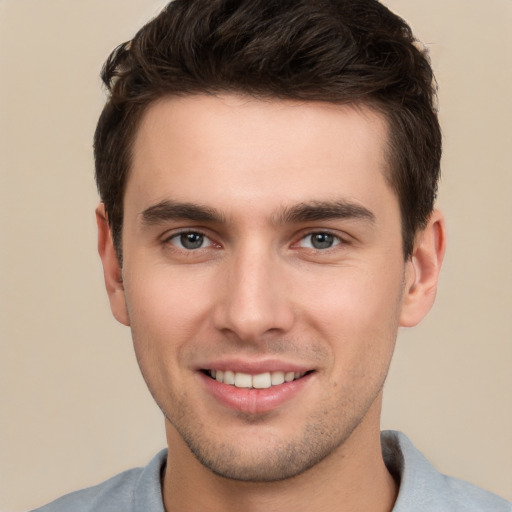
point(243, 380)
point(229, 377)
point(260, 381)
point(277, 378)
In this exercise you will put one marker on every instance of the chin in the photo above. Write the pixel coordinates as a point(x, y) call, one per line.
point(268, 461)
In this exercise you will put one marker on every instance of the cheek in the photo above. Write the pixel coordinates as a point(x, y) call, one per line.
point(162, 321)
point(358, 313)
point(163, 298)
point(165, 314)
point(354, 297)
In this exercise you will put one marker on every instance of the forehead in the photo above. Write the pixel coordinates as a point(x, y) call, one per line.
point(231, 149)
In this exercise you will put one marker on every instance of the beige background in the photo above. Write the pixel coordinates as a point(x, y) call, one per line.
point(74, 409)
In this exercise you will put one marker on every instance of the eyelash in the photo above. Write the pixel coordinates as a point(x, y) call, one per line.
point(177, 236)
point(336, 240)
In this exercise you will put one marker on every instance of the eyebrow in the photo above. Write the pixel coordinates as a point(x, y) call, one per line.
point(323, 210)
point(172, 210)
point(303, 212)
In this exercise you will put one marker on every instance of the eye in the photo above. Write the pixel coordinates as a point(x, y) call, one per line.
point(319, 241)
point(190, 240)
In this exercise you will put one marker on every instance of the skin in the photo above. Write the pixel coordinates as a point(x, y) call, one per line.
point(255, 184)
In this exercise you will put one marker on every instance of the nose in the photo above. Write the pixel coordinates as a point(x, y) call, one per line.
point(254, 298)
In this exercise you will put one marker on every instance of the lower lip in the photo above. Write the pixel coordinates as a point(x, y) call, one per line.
point(254, 401)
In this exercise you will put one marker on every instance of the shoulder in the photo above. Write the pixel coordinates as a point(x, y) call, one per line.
point(135, 489)
point(423, 488)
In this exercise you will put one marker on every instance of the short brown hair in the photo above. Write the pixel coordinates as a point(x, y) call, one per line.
point(339, 51)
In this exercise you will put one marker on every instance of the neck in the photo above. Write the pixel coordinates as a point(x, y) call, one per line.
point(353, 477)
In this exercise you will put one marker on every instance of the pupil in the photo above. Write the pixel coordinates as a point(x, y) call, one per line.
point(191, 240)
point(322, 240)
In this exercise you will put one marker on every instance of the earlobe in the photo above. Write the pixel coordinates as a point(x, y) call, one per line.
point(422, 272)
point(111, 269)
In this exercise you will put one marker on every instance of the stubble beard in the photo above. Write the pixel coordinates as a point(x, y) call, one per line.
point(273, 460)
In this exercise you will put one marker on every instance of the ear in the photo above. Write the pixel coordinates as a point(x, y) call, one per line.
point(111, 268)
point(422, 271)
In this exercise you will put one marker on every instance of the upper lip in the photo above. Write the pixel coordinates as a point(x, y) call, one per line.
point(255, 367)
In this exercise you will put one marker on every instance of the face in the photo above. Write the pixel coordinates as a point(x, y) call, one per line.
point(263, 277)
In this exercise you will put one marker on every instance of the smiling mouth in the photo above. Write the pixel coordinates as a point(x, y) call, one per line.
point(259, 381)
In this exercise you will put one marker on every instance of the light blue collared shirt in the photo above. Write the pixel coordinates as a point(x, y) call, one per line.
point(422, 487)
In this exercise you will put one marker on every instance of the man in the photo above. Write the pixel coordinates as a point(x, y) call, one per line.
point(268, 172)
